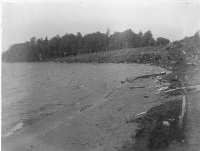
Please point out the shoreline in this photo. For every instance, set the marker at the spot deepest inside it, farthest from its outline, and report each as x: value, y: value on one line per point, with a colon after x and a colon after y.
x: 29, y: 133
x: 154, y: 112
x: 119, y: 122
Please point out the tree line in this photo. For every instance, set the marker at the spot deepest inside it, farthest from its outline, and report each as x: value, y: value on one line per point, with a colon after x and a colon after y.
x: 70, y: 45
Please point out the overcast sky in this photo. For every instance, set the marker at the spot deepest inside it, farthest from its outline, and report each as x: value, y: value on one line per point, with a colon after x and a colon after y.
x: 20, y: 21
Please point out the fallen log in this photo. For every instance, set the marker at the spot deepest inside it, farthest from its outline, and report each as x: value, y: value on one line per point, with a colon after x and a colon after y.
x: 145, y: 76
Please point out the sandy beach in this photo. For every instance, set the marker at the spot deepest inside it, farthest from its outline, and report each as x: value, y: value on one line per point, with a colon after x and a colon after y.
x: 100, y: 123
x: 110, y: 122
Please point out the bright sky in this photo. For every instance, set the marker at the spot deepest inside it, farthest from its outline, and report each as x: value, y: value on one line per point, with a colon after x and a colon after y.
x: 20, y: 21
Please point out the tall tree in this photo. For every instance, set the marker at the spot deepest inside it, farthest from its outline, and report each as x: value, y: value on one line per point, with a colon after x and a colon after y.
x: 148, y: 39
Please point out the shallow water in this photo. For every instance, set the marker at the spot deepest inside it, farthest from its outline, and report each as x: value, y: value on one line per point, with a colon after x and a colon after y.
x: 33, y: 91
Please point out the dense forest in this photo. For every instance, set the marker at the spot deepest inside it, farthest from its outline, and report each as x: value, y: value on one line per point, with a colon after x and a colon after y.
x: 40, y: 49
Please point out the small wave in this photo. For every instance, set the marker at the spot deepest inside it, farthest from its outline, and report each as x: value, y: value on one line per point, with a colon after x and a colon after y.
x: 16, y: 128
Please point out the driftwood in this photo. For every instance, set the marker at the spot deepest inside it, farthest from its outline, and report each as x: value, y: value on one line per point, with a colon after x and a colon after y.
x: 136, y: 87
x: 135, y: 118
x: 83, y: 108
x: 166, y: 89
x: 145, y: 76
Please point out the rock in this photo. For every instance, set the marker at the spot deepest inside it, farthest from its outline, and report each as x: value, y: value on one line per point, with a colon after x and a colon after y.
x: 122, y: 82
x: 166, y: 123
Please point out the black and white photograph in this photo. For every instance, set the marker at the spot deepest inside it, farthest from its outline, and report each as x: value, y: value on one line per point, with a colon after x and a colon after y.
x: 115, y: 75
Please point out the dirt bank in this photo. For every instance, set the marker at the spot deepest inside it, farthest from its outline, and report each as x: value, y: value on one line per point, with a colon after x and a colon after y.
x: 173, y: 124
x: 116, y: 56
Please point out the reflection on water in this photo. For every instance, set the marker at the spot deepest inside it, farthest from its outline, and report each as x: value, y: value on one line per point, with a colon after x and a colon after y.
x: 33, y: 91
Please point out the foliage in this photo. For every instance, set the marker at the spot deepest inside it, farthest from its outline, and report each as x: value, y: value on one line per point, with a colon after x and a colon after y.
x: 162, y: 41
x: 72, y: 45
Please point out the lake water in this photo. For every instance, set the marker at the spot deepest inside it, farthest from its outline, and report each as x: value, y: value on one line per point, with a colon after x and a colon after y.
x: 34, y: 91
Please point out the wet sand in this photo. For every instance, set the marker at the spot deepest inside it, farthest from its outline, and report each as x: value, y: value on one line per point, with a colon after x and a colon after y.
x: 100, y: 123
x: 155, y: 112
